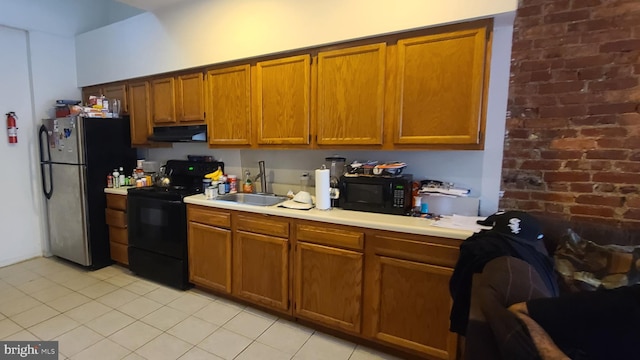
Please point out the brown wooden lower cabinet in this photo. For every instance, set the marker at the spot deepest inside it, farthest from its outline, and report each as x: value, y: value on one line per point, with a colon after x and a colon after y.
x: 387, y: 287
x: 210, y: 256
x: 261, y: 260
x: 328, y: 286
x: 261, y: 269
x: 407, y: 299
x: 116, y: 219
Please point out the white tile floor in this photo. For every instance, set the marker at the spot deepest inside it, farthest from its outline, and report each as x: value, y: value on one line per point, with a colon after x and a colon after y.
x: 112, y: 314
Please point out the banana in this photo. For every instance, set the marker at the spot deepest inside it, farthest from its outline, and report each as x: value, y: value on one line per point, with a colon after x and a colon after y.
x: 214, y: 175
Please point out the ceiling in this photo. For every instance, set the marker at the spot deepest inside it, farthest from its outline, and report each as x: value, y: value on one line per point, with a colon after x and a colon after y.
x: 150, y: 5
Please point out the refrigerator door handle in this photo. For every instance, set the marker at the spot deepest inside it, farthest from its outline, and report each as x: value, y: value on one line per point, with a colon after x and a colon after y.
x: 43, y: 162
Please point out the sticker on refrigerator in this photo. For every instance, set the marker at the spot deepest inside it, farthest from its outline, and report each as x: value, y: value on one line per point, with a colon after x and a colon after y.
x: 67, y: 132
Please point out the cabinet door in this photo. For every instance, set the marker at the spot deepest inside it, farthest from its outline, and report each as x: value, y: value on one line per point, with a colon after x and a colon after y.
x: 440, y: 80
x: 190, y: 98
x: 229, y: 106
x: 261, y: 269
x: 90, y: 91
x: 328, y: 286
x: 351, y: 88
x: 119, y: 253
x: 163, y: 100
x: 140, y: 113
x: 119, y: 92
x: 210, y: 256
x: 282, y: 93
x: 411, y: 306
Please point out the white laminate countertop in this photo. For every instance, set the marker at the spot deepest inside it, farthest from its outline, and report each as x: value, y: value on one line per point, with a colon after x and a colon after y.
x: 118, y: 191
x: 405, y: 224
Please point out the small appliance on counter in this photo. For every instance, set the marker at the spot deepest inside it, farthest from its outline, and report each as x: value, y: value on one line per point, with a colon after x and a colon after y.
x: 157, y: 223
x: 389, y: 194
x: 335, y: 164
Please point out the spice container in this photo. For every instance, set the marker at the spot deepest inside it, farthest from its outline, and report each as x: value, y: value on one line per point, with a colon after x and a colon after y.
x: 233, y: 184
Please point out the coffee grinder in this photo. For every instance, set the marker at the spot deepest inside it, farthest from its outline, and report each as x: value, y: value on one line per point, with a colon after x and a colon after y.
x: 335, y: 164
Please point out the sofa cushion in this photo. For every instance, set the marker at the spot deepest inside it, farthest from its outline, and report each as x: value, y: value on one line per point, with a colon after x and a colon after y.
x: 585, y: 265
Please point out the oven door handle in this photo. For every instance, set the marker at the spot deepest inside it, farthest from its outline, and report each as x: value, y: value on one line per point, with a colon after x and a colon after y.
x: 132, y: 196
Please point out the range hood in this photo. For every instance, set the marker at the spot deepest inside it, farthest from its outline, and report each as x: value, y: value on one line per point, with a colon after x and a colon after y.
x: 191, y: 133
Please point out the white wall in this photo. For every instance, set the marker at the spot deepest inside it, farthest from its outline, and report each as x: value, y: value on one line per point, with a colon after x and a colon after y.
x: 20, y: 210
x: 204, y: 32
x: 201, y: 32
x: 62, y: 17
x: 38, y: 67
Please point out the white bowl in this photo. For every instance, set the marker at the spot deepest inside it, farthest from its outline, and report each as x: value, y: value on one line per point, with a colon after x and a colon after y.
x: 303, y: 197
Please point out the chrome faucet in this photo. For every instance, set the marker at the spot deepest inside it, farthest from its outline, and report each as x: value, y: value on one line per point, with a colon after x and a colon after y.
x: 262, y: 174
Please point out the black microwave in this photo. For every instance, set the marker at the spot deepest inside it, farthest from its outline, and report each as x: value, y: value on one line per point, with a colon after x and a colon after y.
x: 380, y: 194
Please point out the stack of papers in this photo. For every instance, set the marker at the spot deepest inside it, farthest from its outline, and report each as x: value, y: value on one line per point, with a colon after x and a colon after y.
x: 461, y: 223
x: 444, y: 190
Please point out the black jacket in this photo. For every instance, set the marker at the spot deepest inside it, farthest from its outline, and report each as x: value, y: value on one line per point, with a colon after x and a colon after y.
x: 479, y: 249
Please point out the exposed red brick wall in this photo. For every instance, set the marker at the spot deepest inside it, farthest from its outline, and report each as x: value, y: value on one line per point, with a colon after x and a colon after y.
x: 572, y: 148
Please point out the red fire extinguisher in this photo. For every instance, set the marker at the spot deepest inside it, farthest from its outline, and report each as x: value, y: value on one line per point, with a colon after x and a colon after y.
x: 12, y: 129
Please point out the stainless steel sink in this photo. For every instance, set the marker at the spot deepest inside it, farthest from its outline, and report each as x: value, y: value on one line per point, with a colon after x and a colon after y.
x: 253, y: 199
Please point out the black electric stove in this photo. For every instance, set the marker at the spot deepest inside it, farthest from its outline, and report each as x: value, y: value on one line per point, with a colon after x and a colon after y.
x: 157, y: 223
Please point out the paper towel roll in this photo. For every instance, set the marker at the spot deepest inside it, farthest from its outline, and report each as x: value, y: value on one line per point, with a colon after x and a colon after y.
x: 323, y: 202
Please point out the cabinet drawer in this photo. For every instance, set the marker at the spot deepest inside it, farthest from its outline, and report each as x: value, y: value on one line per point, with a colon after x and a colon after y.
x: 414, y: 249
x: 330, y: 236
x: 117, y: 202
x: 262, y: 224
x: 119, y: 253
x: 209, y: 216
x: 116, y: 218
x: 119, y: 235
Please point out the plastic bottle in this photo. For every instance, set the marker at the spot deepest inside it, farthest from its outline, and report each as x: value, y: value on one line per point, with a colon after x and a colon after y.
x: 109, y: 181
x: 116, y: 178
x: 121, y: 176
x: 248, y: 184
x: 227, y: 186
x: 304, y: 181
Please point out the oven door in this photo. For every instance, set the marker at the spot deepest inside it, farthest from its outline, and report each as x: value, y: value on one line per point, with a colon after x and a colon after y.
x: 157, y: 225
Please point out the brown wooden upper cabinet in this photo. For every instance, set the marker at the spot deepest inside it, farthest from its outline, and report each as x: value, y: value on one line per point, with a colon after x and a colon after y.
x: 140, y: 112
x: 117, y: 92
x: 351, y: 92
x: 163, y: 100
x: 190, y: 98
x: 114, y: 91
x: 282, y: 100
x: 178, y: 99
x: 439, y: 92
x: 90, y: 91
x: 228, y: 103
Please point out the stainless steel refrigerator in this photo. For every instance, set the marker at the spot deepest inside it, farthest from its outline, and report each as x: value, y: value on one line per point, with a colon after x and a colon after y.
x: 76, y: 155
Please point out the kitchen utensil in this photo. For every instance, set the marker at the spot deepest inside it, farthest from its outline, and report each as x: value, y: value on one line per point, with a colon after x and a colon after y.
x: 164, y: 180
x: 390, y: 168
